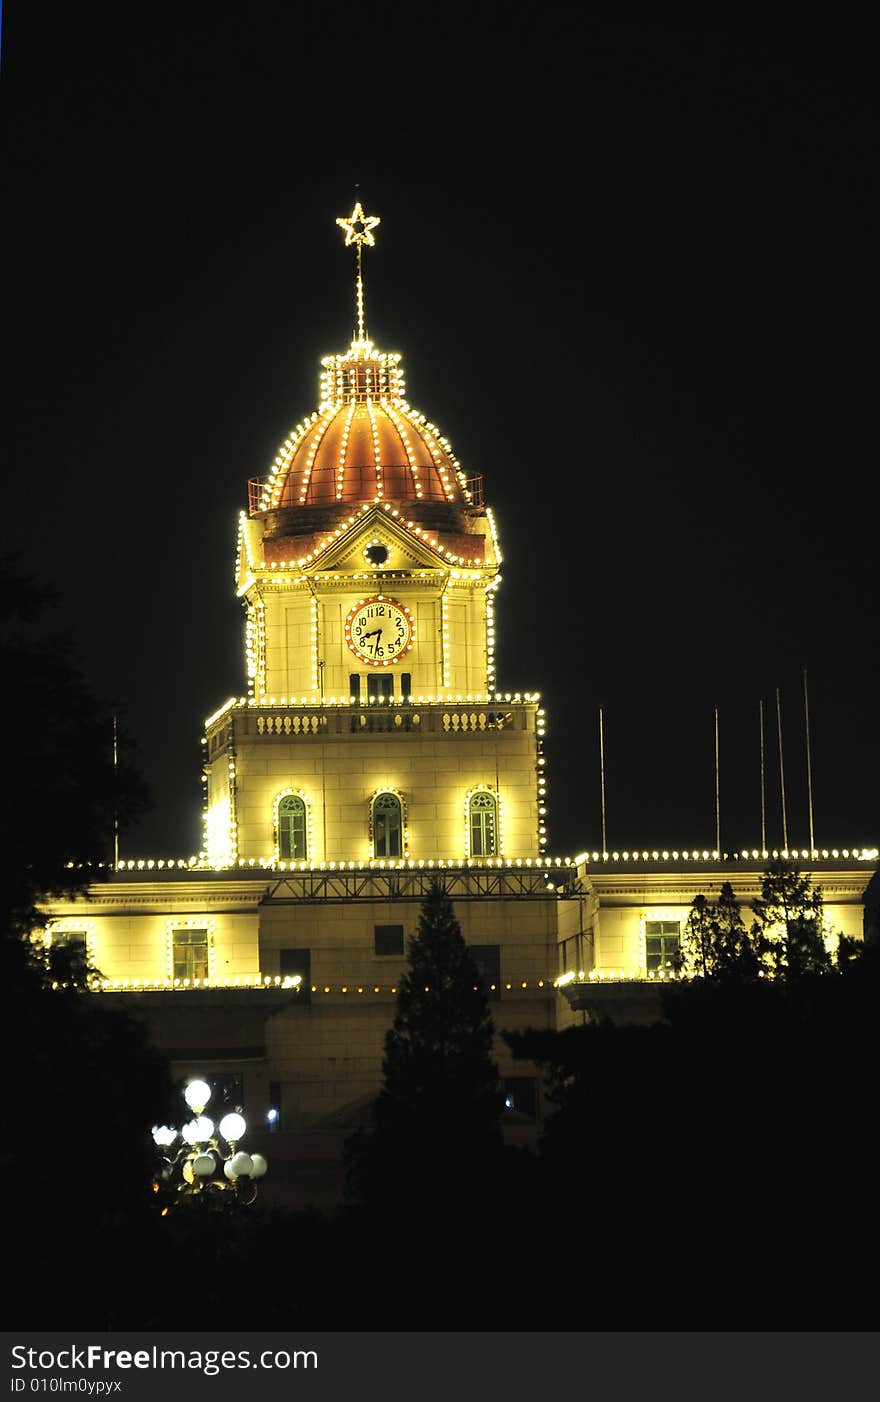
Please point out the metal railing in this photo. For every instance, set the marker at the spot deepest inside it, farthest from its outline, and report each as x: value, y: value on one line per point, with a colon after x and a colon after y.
x: 256, y: 486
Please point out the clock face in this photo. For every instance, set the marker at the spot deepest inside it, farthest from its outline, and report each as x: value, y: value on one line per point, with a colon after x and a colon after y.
x: 379, y: 631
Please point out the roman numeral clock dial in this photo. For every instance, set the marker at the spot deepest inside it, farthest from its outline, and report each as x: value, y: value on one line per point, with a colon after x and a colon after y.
x: 379, y: 631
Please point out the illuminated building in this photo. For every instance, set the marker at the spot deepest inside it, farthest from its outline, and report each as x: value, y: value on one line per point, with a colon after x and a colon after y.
x: 373, y: 751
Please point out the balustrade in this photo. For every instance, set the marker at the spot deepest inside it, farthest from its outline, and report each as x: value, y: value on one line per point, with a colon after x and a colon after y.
x: 432, y: 718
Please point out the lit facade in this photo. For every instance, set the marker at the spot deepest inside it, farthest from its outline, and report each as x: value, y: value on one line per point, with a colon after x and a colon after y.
x: 372, y: 751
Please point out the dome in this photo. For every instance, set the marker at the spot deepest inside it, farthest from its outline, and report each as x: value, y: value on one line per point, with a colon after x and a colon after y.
x: 363, y: 444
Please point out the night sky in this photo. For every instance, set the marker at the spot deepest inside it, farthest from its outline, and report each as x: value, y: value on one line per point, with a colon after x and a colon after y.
x: 633, y: 275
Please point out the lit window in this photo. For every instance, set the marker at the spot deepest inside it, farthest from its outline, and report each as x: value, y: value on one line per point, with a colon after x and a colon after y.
x: 189, y: 953
x: 662, y: 944
x: 387, y: 826
x: 292, y: 842
x: 482, y: 818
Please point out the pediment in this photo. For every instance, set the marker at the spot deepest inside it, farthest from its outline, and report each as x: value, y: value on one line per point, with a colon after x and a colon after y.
x: 407, y: 549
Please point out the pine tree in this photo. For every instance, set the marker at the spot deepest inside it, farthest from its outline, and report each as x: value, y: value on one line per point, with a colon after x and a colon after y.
x: 716, y: 942
x: 790, y: 920
x: 438, y: 1112
x: 697, y: 953
x: 738, y: 950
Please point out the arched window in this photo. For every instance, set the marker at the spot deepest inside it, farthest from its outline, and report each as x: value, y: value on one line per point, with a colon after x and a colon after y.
x: 483, y: 823
x: 292, y: 832
x: 387, y: 826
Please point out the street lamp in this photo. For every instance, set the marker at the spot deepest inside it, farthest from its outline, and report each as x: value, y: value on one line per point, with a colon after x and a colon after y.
x: 190, y: 1165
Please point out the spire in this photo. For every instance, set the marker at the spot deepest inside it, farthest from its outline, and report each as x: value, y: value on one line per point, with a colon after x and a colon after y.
x: 359, y: 231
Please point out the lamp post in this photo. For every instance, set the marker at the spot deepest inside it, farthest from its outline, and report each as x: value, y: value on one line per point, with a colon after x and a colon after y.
x: 194, y: 1153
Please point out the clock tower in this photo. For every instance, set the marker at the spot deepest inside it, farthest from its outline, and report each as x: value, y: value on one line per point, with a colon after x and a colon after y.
x: 368, y: 563
x: 372, y: 753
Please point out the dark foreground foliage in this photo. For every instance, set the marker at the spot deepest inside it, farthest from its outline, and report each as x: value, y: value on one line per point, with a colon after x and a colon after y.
x: 721, y: 1160
x: 83, y: 1088
x: 62, y: 792
x: 713, y: 1171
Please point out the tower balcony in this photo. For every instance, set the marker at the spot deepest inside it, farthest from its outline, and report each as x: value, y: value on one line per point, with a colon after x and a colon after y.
x: 454, y: 717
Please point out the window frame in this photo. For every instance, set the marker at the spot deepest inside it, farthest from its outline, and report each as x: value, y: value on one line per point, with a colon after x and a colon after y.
x: 75, y: 945
x: 292, y: 797
x: 490, y: 810
x: 182, y: 936
x: 657, y: 960
x: 380, y: 686
x: 401, y: 812
x: 389, y: 953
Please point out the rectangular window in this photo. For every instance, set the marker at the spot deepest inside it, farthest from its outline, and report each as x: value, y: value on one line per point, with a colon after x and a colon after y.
x: 189, y: 953
x: 380, y: 684
x: 406, y: 685
x: 662, y: 944
x: 228, y: 1092
x: 487, y: 958
x: 388, y: 938
x: 298, y: 961
x: 69, y: 956
x: 354, y: 686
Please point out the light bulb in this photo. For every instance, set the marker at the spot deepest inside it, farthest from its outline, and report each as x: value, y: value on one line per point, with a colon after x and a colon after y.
x: 197, y: 1095
x: 198, y: 1131
x: 232, y: 1127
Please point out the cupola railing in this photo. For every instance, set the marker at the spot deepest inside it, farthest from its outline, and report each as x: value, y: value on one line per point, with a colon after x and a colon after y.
x: 256, y: 485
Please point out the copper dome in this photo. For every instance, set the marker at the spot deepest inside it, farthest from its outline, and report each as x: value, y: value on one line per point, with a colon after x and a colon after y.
x: 363, y: 444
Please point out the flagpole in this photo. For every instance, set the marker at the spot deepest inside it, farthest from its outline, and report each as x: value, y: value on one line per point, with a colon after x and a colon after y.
x: 602, y: 777
x: 781, y: 770
x: 809, y: 763
x: 115, y: 795
x: 763, y: 793
x: 717, y: 790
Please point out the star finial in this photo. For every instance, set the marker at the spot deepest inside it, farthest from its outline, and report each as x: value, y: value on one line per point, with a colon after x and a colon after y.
x: 359, y: 227
x: 359, y: 231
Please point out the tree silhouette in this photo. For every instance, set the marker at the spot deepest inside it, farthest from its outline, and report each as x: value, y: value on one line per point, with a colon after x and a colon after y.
x: 61, y: 790
x: 76, y: 1115
x: 717, y: 1155
x: 438, y: 1112
x: 790, y: 923
x: 716, y: 942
